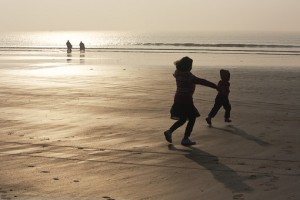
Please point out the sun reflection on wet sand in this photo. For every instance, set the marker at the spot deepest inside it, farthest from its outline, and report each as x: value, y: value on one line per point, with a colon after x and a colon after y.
x: 57, y: 71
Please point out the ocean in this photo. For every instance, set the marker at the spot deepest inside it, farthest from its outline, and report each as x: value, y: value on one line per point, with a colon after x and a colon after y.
x: 202, y: 43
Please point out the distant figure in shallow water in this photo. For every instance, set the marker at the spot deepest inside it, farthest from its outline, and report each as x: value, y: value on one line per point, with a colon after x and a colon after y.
x: 183, y: 108
x: 81, y: 46
x: 222, y: 97
x: 69, y: 46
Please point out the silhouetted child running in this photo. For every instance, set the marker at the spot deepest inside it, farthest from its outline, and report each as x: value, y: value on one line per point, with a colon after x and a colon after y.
x: 183, y: 108
x: 221, y: 98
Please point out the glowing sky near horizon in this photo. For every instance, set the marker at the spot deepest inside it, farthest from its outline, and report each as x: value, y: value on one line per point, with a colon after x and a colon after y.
x: 150, y: 15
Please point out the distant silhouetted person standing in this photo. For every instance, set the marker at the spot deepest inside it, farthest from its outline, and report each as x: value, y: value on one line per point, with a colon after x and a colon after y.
x: 222, y: 97
x: 81, y: 46
x: 183, y: 108
x: 69, y: 46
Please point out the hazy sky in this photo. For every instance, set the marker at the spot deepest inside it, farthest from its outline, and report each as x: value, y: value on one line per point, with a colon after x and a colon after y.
x: 150, y: 15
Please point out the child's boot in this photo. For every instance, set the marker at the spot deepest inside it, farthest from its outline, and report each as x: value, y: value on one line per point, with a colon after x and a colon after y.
x: 227, y: 120
x: 208, y: 120
x: 168, y: 136
x: 187, y: 142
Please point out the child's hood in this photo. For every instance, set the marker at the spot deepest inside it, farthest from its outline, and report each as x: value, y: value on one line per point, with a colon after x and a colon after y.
x: 225, y: 75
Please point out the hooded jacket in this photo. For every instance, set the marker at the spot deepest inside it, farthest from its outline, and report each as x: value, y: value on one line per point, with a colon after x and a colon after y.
x: 223, y: 85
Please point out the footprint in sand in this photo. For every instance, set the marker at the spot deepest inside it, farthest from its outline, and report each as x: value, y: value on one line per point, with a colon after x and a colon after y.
x: 252, y: 177
x: 108, y: 198
x: 10, y: 133
x: 238, y: 197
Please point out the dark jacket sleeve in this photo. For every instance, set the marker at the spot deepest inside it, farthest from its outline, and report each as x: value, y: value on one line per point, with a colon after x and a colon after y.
x: 204, y: 82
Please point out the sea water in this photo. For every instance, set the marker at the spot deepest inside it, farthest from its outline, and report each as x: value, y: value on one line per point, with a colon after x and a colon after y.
x: 195, y: 42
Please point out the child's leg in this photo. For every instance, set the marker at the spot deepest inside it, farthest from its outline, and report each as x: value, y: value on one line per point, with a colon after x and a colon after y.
x: 216, y: 108
x: 227, y: 108
x: 189, y: 127
x: 177, y: 124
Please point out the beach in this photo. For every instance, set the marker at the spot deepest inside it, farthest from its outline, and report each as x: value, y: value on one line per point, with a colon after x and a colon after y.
x: 90, y: 126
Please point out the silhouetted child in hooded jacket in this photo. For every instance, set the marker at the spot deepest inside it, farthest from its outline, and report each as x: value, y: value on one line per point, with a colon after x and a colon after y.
x: 222, y: 97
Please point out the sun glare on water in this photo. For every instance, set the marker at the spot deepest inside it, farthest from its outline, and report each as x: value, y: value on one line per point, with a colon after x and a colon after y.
x: 59, y: 38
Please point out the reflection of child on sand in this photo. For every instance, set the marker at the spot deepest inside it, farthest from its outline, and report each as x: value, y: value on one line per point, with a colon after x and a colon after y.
x: 222, y: 97
x: 183, y: 108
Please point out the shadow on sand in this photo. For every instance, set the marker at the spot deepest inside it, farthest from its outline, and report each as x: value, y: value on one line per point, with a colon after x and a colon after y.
x: 221, y: 172
x: 236, y: 131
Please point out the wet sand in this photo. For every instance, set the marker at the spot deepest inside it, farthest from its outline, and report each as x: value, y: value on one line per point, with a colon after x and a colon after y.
x: 90, y: 126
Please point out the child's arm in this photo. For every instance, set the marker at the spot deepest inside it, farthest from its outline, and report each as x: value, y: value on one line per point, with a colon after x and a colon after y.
x: 204, y: 82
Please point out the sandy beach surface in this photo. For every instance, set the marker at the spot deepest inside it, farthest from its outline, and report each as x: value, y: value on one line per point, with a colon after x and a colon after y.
x: 90, y: 126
